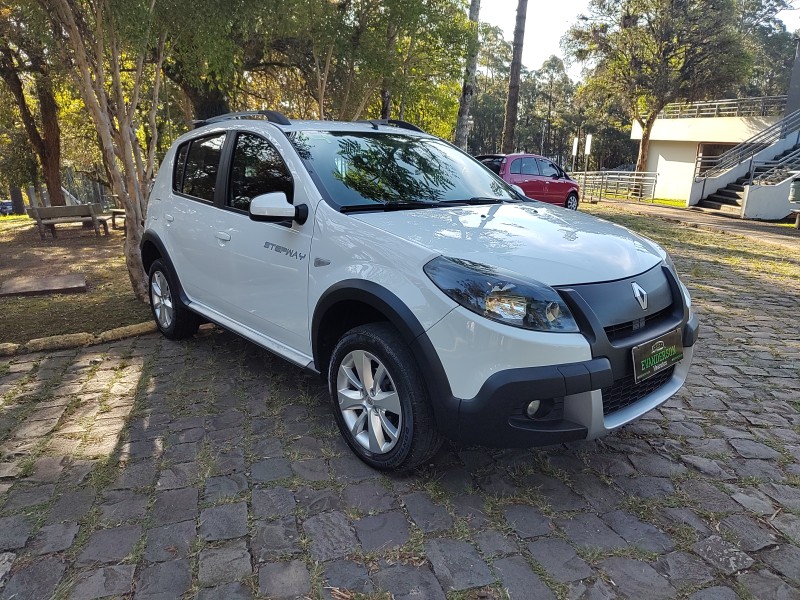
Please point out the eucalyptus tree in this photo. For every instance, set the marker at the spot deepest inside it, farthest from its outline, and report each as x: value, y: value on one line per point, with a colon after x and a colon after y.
x: 108, y: 45
x: 470, y: 69
x: 510, y: 122
x: 653, y: 52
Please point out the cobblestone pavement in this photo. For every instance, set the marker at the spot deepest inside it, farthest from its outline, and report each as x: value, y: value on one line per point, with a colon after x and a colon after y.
x: 209, y: 469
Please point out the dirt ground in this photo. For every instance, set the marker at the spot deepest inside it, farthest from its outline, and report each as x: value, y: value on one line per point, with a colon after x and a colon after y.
x: 108, y: 302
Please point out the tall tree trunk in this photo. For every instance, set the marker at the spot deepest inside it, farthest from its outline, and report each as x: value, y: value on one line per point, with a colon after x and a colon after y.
x: 386, y: 100
x: 468, y: 89
x: 644, y: 144
x: 50, y: 156
x: 17, y: 201
x: 513, y: 85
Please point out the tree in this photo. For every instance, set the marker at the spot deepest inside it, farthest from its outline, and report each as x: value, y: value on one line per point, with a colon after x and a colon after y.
x: 769, y: 44
x: 107, y: 50
x: 653, y: 52
x: 24, y: 58
x: 513, y: 84
x: 468, y: 89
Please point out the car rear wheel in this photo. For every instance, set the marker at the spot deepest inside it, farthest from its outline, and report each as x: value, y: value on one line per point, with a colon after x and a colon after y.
x: 172, y: 317
x: 572, y: 201
x: 380, y: 400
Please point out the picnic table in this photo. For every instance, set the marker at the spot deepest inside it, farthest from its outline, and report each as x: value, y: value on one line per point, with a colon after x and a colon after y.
x: 116, y: 212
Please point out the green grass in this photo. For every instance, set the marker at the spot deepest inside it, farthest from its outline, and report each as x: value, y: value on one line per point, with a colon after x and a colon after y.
x: 108, y: 302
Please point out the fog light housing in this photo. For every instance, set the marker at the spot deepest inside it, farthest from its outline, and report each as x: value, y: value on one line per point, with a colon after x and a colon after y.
x: 533, y: 408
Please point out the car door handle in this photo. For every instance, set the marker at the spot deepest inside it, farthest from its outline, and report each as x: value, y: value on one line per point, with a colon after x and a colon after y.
x: 169, y: 218
x: 221, y: 235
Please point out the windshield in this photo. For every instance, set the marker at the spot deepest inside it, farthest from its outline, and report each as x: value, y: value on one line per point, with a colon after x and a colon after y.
x: 379, y: 169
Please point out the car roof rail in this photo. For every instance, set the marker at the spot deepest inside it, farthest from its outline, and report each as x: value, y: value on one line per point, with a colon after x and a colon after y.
x: 270, y: 115
x: 393, y: 122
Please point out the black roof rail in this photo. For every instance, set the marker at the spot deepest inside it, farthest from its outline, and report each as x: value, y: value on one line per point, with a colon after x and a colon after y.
x: 270, y: 115
x: 394, y: 122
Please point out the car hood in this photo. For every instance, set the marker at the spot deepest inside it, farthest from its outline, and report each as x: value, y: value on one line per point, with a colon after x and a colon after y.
x: 549, y: 244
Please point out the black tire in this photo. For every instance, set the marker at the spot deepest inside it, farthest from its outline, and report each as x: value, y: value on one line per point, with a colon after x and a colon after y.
x: 183, y: 322
x: 417, y: 439
x: 572, y: 201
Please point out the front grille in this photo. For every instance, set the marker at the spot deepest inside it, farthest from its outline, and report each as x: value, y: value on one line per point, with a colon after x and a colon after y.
x: 625, y: 392
x: 622, y: 330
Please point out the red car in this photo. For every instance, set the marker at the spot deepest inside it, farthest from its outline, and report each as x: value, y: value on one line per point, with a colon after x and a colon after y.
x: 539, y: 177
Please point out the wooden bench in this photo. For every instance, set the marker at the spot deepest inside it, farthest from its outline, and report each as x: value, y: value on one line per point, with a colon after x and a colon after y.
x: 50, y: 216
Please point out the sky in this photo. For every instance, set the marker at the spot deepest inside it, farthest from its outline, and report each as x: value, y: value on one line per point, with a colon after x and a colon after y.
x: 546, y: 23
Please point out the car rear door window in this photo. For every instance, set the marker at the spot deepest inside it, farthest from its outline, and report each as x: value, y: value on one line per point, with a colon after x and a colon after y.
x: 516, y: 167
x: 180, y: 168
x: 529, y: 166
x: 202, y: 166
x: 257, y: 168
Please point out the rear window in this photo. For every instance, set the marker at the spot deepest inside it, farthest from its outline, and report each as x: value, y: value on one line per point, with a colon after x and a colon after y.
x: 202, y: 166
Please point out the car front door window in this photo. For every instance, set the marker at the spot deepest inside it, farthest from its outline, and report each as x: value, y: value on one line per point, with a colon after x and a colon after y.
x: 257, y: 168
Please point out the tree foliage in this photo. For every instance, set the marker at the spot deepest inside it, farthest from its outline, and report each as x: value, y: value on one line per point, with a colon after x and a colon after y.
x: 653, y: 52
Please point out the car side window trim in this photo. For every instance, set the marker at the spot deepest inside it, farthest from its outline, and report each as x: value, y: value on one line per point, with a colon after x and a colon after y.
x: 218, y: 180
x: 516, y: 166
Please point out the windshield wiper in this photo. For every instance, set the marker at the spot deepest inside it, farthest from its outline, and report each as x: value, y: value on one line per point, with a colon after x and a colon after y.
x: 475, y: 200
x: 388, y: 206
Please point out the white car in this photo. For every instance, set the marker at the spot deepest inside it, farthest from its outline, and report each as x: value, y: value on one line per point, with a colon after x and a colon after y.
x: 434, y: 300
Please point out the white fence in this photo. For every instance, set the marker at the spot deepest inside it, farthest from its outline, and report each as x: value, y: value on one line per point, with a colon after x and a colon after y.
x: 624, y: 185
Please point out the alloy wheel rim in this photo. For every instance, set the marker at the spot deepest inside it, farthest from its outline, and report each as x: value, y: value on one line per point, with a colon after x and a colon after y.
x: 162, y: 299
x: 369, y: 402
x: 572, y: 203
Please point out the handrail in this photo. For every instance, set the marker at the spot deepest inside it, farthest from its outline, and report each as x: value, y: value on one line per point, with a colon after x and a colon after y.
x: 711, y: 166
x: 760, y: 106
x: 778, y: 170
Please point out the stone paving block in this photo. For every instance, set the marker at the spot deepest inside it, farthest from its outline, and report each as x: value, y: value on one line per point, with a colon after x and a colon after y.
x: 493, y: 543
x: 754, y: 501
x: 23, y: 497
x: 226, y: 486
x: 527, y: 521
x: 635, y: 579
x: 226, y: 591
x: 788, y: 525
x: 103, y: 582
x: 34, y: 581
x: 555, y: 492
x: 407, y: 582
x: 559, y: 560
x: 646, y: 486
x: 349, y: 468
x: 670, y: 517
x: 164, y: 580
x: 722, y: 554
x: 457, y: 565
x: 136, y: 475
x: 331, y: 535
x: 470, y: 508
x: 226, y: 563
x: 173, y: 506
x: 270, y: 469
x: 178, y: 476
x: 48, y: 468
x: 588, y: 531
x: 763, y: 584
x: 753, y: 449
x: 170, y: 542
x: 273, y: 539
x: 785, y: 559
x: 224, y: 522
x: 123, y: 505
x: 656, y: 466
x: 311, y: 469
x: 429, y: 517
x: 382, y: 531
x: 683, y: 570
x: 230, y: 462
x: 519, y: 580
x: 750, y: 534
x: 715, y: 593
x: 273, y: 503
x: 180, y: 453
x: 786, y: 495
x: 368, y: 497
x: 638, y: 533
x: 708, y: 467
x: 760, y: 469
x: 284, y: 580
x: 347, y: 575
x: 708, y: 497
x: 6, y: 562
x: 110, y: 545
x: 14, y: 532
x: 314, y: 501
x: 54, y: 538
x: 602, y: 497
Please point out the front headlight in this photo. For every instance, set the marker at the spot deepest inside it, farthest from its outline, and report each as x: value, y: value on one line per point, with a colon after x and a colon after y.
x: 500, y: 296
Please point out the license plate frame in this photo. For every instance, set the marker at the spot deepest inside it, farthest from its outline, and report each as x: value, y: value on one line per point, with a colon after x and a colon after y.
x: 657, y: 354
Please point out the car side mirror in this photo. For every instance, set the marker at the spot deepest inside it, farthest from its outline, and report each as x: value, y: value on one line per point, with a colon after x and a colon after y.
x: 275, y: 207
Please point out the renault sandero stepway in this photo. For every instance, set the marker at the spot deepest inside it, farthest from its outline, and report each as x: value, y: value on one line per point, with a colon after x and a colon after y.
x: 434, y: 298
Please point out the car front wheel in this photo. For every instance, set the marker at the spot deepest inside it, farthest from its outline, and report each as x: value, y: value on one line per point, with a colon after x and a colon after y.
x: 572, y: 201
x: 380, y: 400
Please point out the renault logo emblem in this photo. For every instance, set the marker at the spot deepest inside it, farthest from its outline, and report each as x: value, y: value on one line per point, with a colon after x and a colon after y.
x: 640, y: 295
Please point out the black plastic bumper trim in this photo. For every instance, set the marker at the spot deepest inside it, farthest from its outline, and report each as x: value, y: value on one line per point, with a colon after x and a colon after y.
x: 691, y: 331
